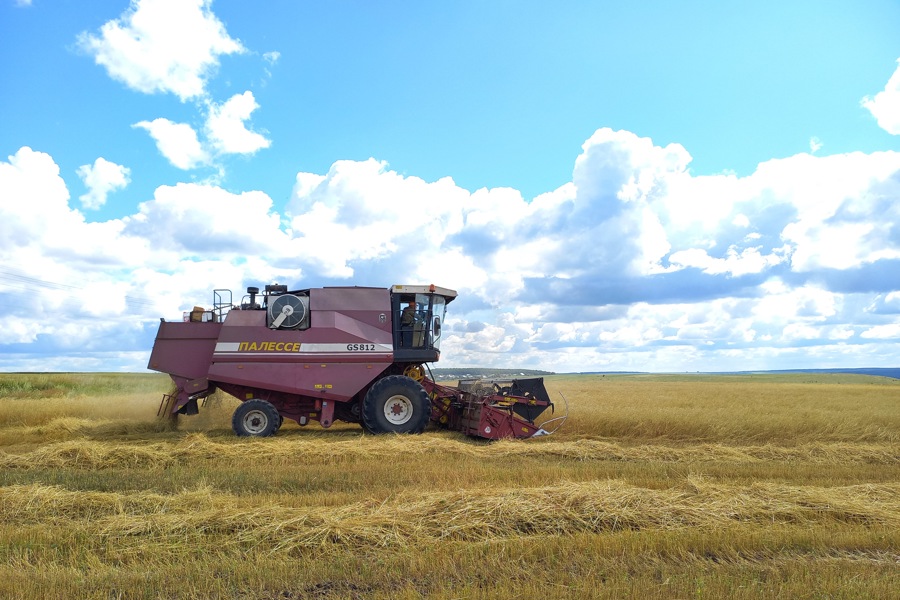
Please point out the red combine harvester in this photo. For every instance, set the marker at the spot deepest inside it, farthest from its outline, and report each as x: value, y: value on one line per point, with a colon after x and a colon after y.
x: 353, y: 354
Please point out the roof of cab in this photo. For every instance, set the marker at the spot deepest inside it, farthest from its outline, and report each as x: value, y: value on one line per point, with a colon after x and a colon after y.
x: 424, y: 289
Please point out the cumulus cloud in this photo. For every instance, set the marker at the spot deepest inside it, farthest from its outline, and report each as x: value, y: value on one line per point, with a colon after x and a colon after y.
x: 226, y: 133
x: 226, y: 128
x: 634, y: 264
x: 54, y: 264
x: 748, y: 260
x: 174, y: 46
x: 361, y: 213
x: 177, y: 142
x: 845, y: 213
x: 885, y: 106
x: 699, y: 265
x: 167, y: 46
x: 200, y: 221
x: 890, y: 331
x: 34, y: 204
x: 886, y: 304
x: 71, y: 287
x: 37, y: 225
x: 102, y: 178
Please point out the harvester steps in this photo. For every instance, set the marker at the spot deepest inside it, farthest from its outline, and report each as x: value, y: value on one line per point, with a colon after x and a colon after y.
x: 165, y: 405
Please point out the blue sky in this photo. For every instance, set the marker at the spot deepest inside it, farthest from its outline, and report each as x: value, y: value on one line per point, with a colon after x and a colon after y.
x: 653, y: 186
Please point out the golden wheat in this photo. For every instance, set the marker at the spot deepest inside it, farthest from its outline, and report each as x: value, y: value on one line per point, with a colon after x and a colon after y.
x: 657, y: 487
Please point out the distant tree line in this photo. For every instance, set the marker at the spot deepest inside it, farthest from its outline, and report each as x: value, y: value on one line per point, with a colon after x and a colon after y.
x: 473, y: 372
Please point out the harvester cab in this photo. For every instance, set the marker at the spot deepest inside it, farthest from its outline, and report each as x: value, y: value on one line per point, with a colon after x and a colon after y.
x: 355, y: 354
x: 418, y: 312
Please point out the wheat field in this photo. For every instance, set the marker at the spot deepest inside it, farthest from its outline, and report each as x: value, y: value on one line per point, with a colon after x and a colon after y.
x: 691, y: 486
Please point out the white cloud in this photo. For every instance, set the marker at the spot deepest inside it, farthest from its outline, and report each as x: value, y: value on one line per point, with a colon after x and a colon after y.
x: 631, y: 209
x: 177, y: 142
x: 38, y: 227
x: 843, y: 207
x: 102, y: 178
x: 840, y: 333
x: 693, y: 206
x: 634, y: 264
x: 805, y: 304
x: 31, y: 194
x: 741, y: 221
x: 22, y: 3
x: 821, y: 212
x: 885, y: 106
x: 174, y: 46
x: 305, y: 184
x: 885, y: 304
x: 735, y: 263
x: 169, y: 46
x: 226, y: 129
x: 800, y: 331
x: 54, y: 261
x: 836, y: 246
x: 889, y: 331
x: 201, y: 221
x: 88, y: 287
x: 361, y: 211
x: 815, y: 144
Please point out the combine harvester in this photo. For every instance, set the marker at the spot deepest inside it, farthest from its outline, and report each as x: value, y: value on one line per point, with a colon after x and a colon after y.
x: 353, y: 354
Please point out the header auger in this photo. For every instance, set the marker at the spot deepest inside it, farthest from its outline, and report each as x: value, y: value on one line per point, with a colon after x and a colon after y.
x: 354, y: 354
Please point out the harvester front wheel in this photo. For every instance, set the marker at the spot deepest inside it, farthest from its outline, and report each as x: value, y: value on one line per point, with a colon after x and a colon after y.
x: 255, y: 418
x: 396, y: 404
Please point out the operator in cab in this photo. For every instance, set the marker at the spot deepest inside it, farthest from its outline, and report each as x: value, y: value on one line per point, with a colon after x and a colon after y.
x: 408, y: 316
x: 411, y: 326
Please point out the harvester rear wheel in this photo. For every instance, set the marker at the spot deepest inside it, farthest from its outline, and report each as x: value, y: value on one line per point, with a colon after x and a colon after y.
x: 255, y: 418
x: 396, y: 404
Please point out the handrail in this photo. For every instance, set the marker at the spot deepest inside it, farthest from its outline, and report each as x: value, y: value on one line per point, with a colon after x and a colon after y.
x: 220, y: 306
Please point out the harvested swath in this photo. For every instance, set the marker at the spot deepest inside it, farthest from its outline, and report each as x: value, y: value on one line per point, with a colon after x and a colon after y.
x: 89, y: 455
x: 67, y: 428
x: 37, y: 503
x: 588, y: 449
x: 94, y: 454
x: 411, y: 519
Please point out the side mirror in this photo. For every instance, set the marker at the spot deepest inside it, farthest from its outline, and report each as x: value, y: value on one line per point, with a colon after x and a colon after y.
x: 437, y: 327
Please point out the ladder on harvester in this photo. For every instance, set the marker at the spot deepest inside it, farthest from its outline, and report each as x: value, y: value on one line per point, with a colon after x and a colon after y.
x: 165, y: 405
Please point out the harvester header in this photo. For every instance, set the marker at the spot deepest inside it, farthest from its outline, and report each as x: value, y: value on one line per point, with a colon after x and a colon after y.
x: 355, y: 354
